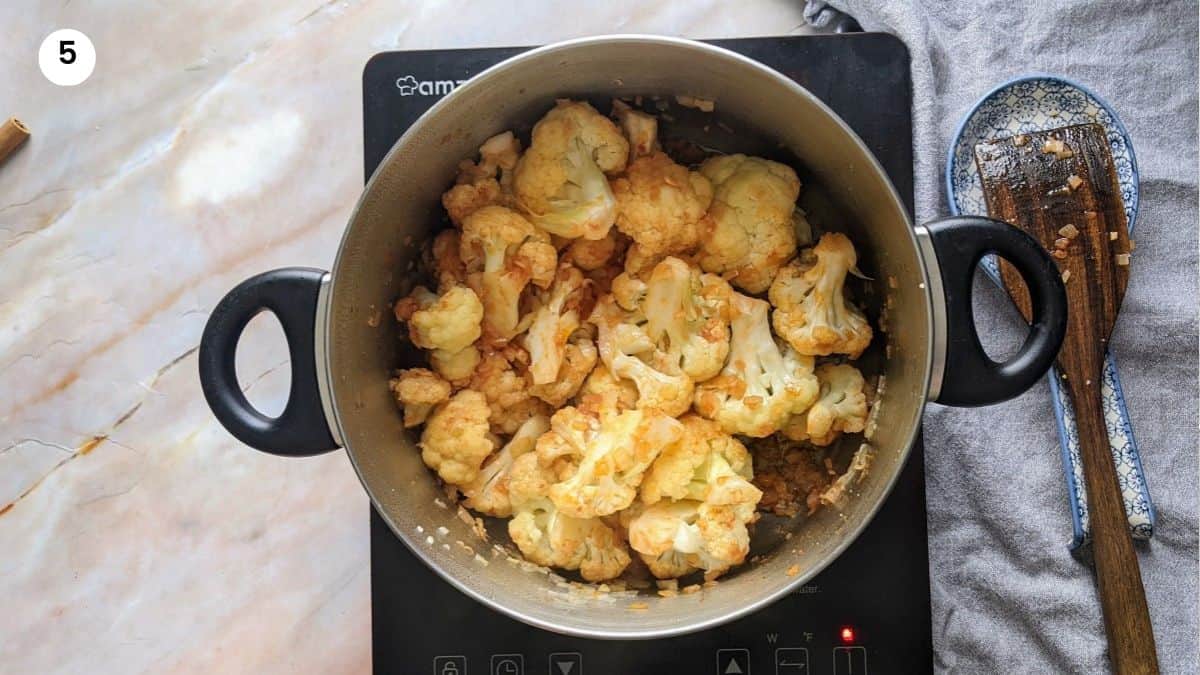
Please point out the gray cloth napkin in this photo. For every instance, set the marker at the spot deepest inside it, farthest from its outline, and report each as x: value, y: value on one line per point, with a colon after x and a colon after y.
x: 1007, y: 595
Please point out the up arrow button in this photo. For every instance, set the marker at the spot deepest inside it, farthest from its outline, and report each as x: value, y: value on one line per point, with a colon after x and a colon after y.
x: 733, y: 662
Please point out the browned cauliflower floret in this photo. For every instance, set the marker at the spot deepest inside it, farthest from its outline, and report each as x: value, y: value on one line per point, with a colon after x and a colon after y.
x: 613, y: 453
x: 417, y: 391
x: 554, y: 321
x: 549, y: 537
x: 507, y: 394
x: 811, y: 310
x: 603, y: 393
x: 640, y: 129
x: 477, y: 185
x: 707, y: 465
x: 662, y: 206
x: 753, y: 206
x: 446, y: 261
x: 593, y: 254
x: 488, y: 493
x: 630, y: 354
x: 456, y: 439
x: 503, y: 247
x: 560, y: 181
x: 579, y: 358
x: 840, y: 407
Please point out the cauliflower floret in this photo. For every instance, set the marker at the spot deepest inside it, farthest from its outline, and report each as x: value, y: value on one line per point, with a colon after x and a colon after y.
x: 707, y: 465
x: 579, y: 358
x: 603, y: 393
x: 446, y: 261
x: 662, y: 206
x: 840, y: 407
x: 687, y: 317
x: 763, y: 383
x: 560, y: 181
x: 488, y: 493
x: 811, y: 310
x: 676, y: 537
x: 629, y: 353
x: 450, y: 321
x: 546, y: 536
x: 477, y: 185
x: 507, y: 394
x: 752, y: 210
x: 496, y: 241
x: 417, y: 391
x: 613, y: 453
x: 640, y: 129
x: 590, y: 255
x: 554, y: 322
x: 456, y: 439
x: 456, y: 367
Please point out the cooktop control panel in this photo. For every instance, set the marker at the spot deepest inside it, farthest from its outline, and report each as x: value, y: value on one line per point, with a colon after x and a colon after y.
x: 867, y: 613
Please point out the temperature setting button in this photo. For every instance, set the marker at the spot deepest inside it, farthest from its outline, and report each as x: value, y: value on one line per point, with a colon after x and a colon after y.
x: 733, y: 662
x: 791, y: 661
x: 849, y: 661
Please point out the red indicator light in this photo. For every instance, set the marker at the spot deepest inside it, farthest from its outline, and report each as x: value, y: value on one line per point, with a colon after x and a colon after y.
x: 847, y: 634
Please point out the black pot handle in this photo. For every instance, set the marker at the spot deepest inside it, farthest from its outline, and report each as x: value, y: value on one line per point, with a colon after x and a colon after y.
x: 291, y: 295
x: 970, y: 376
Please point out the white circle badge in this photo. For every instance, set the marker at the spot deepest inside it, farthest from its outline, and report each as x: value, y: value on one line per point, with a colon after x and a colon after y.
x: 67, y: 57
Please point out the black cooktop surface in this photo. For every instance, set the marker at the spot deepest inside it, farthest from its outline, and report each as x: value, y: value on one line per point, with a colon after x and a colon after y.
x: 867, y: 613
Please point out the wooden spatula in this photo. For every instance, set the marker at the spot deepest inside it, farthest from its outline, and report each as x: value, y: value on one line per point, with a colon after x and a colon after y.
x: 1061, y: 187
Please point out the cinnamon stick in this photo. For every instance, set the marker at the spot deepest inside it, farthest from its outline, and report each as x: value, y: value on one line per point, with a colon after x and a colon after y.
x: 12, y: 134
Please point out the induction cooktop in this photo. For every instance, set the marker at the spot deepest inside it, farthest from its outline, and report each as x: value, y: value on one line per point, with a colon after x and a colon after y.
x: 868, y: 612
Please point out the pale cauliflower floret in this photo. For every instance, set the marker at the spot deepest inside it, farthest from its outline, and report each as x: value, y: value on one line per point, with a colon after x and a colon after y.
x: 418, y: 390
x: 497, y: 242
x: 603, y: 393
x: 687, y: 317
x: 752, y: 210
x: 456, y: 367
x: 661, y: 205
x: 488, y: 493
x: 560, y: 181
x: 763, y: 383
x: 554, y: 322
x: 676, y: 537
x: 706, y: 465
x: 840, y: 407
x: 477, y: 184
x: 545, y: 536
x: 613, y: 453
x: 811, y: 310
x: 640, y: 129
x: 450, y: 321
x: 579, y: 358
x: 456, y: 439
x: 629, y: 353
x: 507, y: 394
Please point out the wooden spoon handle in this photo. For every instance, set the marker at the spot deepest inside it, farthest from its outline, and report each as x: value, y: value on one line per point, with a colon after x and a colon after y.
x: 1126, y: 617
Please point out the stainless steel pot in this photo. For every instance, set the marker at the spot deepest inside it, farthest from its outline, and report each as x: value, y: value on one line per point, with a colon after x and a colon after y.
x: 341, y: 362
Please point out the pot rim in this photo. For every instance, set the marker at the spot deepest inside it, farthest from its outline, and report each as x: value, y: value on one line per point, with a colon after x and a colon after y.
x: 683, y: 628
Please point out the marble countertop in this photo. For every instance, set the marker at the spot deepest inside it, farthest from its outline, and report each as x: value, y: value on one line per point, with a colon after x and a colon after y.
x: 136, y: 535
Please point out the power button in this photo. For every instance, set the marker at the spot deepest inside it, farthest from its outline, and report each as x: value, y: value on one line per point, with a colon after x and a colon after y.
x: 850, y: 660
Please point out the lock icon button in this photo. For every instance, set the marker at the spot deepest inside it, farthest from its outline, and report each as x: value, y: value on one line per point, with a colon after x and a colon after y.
x: 450, y: 665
